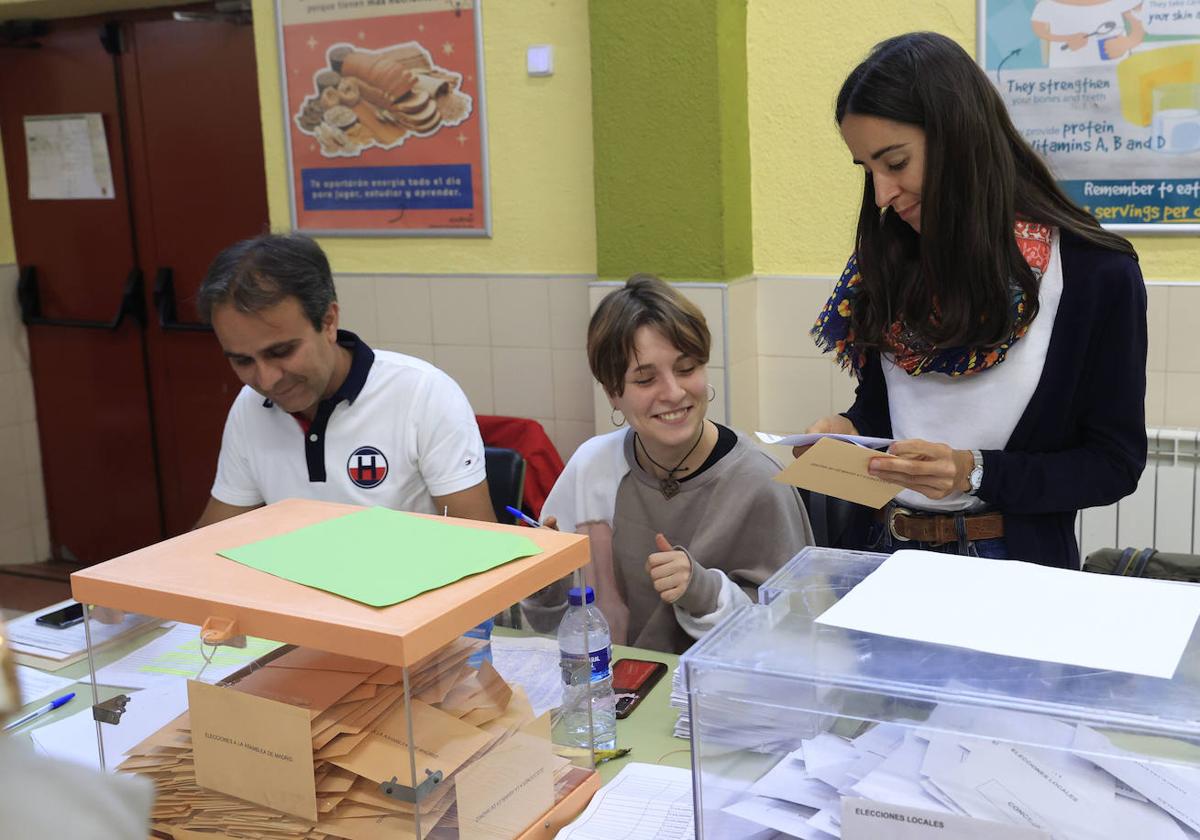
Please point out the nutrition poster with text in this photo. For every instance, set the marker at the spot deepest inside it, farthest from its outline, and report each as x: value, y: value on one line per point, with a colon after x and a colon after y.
x: 384, y: 116
x: 1108, y: 91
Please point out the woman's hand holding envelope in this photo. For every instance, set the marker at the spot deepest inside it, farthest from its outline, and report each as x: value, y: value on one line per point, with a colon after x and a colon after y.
x: 932, y: 469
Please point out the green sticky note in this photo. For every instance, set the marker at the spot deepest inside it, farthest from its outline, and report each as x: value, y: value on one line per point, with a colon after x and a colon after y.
x: 380, y: 556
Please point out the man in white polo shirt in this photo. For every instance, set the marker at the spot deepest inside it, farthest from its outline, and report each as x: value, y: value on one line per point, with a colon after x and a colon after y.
x: 323, y: 416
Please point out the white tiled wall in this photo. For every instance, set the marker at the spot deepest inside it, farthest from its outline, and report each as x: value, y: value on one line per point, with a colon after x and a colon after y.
x: 514, y: 343
x: 516, y: 346
x: 24, y: 532
x: 797, y: 384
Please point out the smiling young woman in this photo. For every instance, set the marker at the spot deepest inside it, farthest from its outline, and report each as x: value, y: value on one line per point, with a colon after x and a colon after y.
x: 997, y: 332
x: 683, y: 517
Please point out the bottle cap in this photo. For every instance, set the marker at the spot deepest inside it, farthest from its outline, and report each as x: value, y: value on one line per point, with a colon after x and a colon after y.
x: 576, y: 599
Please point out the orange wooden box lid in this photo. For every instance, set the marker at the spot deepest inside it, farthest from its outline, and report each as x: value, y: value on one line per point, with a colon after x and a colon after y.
x: 183, y: 579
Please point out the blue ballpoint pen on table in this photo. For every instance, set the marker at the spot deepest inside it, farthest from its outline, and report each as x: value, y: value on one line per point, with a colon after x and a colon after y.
x: 528, y: 520
x: 38, y: 712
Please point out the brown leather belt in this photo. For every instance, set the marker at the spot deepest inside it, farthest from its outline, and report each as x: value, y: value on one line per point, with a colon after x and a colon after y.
x: 936, y: 529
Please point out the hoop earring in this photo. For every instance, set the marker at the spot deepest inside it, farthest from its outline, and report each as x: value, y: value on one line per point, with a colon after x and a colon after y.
x: 712, y: 392
x: 613, y: 417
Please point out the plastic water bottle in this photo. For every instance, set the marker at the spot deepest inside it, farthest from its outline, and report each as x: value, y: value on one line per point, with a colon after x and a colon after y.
x: 587, y: 675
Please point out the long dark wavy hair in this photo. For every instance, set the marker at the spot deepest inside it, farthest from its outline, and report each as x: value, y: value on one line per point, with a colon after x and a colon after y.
x: 980, y: 178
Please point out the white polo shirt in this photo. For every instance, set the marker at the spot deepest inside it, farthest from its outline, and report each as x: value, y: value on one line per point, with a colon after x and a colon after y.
x: 397, y: 433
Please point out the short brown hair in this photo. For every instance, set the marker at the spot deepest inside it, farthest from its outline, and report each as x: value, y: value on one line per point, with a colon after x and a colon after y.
x: 644, y: 301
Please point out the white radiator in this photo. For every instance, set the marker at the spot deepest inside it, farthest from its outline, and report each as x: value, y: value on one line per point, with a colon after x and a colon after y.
x: 1162, y: 512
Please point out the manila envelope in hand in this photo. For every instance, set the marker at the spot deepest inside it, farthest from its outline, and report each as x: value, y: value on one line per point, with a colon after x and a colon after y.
x: 837, y: 468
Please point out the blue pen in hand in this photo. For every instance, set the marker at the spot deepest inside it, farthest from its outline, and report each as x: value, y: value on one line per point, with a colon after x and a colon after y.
x: 528, y: 520
x: 38, y: 712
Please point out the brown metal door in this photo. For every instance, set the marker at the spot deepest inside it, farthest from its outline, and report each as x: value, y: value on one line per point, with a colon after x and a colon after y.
x: 130, y: 415
x: 77, y: 258
x: 199, y: 164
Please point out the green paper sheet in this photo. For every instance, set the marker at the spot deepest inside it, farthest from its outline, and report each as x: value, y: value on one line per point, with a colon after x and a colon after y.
x: 380, y: 556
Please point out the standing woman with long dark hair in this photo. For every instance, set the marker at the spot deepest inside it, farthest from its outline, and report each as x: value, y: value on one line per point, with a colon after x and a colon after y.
x: 997, y: 332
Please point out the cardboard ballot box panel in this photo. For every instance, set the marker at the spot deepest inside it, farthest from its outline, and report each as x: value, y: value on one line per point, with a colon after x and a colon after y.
x: 804, y: 726
x: 324, y: 716
x: 184, y: 579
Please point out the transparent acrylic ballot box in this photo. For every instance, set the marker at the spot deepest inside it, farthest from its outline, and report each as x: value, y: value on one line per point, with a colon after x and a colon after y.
x: 266, y: 708
x: 816, y: 731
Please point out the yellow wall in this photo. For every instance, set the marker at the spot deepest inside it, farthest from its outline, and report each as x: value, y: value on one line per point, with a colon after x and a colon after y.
x: 540, y: 147
x: 805, y: 190
x: 7, y: 249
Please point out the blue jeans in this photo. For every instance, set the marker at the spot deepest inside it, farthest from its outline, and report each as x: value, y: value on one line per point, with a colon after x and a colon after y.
x: 879, y: 538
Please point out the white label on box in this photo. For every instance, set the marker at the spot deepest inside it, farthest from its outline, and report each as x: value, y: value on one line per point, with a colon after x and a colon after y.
x: 866, y: 819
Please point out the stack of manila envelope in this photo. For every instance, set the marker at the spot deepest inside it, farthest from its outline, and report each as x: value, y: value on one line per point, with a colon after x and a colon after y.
x: 300, y: 744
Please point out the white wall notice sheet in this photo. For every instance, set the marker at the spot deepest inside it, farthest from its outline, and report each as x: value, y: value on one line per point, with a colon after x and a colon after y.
x: 1131, y: 625
x: 68, y: 157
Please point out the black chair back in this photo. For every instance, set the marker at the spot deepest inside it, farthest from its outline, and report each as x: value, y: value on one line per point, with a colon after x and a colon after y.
x: 506, y: 480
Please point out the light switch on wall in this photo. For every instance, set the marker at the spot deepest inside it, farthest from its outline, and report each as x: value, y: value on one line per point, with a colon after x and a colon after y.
x: 539, y: 60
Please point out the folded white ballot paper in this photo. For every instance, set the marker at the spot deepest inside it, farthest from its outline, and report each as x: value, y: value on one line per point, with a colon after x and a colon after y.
x: 1011, y: 783
x: 1024, y: 610
x: 1173, y: 788
x: 786, y: 817
x: 808, y: 439
x: 1041, y: 778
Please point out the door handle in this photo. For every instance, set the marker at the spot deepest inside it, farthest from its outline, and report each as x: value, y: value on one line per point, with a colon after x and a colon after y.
x: 132, y: 303
x: 164, y: 304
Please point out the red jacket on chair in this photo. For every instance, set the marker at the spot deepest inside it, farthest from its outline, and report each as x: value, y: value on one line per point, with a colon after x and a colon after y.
x: 542, y: 462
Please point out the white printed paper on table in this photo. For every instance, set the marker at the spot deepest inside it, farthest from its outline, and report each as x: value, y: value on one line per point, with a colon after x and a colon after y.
x: 643, y: 802
x: 36, y: 684
x: 1064, y: 616
x: 179, y: 654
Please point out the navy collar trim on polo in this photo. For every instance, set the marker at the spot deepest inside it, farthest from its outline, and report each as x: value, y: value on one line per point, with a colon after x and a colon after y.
x: 361, y: 359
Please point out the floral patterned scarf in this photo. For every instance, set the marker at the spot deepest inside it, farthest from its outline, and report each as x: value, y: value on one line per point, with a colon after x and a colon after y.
x: 833, y: 331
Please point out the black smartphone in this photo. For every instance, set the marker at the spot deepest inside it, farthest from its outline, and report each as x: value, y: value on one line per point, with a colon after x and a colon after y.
x: 68, y: 616
x: 634, y: 678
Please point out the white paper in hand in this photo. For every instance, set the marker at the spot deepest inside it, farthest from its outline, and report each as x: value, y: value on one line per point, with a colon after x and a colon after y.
x: 810, y: 438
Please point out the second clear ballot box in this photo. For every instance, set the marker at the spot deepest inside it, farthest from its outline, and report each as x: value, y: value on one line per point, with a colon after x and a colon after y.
x: 263, y: 707
x: 815, y: 731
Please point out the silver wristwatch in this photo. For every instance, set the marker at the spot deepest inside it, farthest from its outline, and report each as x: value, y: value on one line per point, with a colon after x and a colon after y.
x: 975, y: 477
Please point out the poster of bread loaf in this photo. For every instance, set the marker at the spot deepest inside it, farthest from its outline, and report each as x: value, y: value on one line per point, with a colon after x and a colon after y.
x: 384, y: 117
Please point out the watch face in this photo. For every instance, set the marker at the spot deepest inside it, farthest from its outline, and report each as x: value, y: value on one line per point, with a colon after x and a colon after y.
x: 975, y: 478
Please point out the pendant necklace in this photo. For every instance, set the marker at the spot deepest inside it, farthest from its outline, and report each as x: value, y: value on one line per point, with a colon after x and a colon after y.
x: 669, y: 486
